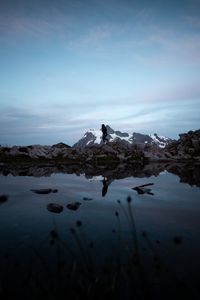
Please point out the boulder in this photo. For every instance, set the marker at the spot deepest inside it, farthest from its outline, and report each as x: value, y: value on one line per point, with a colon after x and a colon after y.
x: 73, y: 205
x: 187, y: 147
x: 44, y: 191
x: 3, y: 198
x: 55, y: 208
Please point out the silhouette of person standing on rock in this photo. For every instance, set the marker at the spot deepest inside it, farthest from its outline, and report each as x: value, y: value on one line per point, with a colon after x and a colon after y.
x: 104, y: 131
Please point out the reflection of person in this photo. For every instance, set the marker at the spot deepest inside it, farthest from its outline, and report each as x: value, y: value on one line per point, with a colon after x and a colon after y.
x: 104, y: 131
x: 106, y: 182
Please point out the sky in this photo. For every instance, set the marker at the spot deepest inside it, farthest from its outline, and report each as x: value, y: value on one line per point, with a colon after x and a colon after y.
x: 67, y: 66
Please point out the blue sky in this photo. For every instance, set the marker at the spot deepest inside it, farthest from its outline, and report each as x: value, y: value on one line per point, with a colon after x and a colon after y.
x: 68, y: 66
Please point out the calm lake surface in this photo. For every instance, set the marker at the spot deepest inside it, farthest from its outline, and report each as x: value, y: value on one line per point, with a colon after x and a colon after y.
x: 166, y: 225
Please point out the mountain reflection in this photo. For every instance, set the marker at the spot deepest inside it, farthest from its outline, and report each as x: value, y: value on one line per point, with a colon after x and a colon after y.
x: 188, y: 173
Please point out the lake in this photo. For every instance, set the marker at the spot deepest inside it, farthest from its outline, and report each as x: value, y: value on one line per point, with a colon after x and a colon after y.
x: 145, y: 245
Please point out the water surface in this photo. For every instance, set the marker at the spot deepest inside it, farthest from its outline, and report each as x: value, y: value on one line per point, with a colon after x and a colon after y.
x: 166, y: 222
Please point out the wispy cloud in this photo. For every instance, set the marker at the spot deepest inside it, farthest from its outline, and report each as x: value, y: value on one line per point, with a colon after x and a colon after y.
x: 48, y: 126
x: 161, y: 46
x: 192, y: 21
x: 97, y: 38
x: 14, y: 28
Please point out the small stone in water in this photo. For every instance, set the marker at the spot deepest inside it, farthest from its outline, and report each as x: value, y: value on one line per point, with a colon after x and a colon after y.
x: 3, y: 198
x: 87, y: 199
x: 73, y: 205
x: 44, y: 191
x: 177, y: 240
x: 54, y: 234
x: 78, y: 223
x: 55, y: 208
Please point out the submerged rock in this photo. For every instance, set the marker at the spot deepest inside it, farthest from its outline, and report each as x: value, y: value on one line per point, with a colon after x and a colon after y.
x: 73, y: 205
x: 3, y: 198
x: 55, y: 208
x: 87, y: 199
x: 177, y: 240
x: 44, y: 191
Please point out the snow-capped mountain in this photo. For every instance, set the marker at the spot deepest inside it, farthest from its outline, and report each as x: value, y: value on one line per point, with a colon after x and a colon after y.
x: 92, y: 137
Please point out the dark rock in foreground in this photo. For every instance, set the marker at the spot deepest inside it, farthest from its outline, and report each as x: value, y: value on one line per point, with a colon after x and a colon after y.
x: 87, y: 199
x: 55, y: 208
x: 74, y: 205
x: 3, y: 198
x: 44, y: 191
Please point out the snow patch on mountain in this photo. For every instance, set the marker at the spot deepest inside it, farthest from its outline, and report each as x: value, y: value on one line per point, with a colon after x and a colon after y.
x: 97, y: 134
x: 92, y: 137
x: 125, y: 138
x: 160, y: 140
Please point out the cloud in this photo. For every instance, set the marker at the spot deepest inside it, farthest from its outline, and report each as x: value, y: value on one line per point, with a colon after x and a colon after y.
x: 163, y: 46
x: 21, y: 26
x: 141, y: 36
x: 60, y: 123
x: 45, y: 126
x: 15, y: 28
x: 98, y: 37
x: 192, y: 21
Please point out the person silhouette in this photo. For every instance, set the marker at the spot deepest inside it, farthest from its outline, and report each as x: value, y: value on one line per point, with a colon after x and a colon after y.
x: 104, y: 131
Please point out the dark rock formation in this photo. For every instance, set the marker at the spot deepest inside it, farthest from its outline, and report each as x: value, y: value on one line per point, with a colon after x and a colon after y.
x: 3, y: 198
x: 187, y: 147
x: 61, y: 146
x: 115, y: 151
x: 44, y: 191
x: 120, y: 148
x: 138, y: 138
x: 73, y: 205
x: 55, y: 208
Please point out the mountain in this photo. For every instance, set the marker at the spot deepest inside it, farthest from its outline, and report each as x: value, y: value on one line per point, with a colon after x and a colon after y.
x: 121, y: 148
x: 92, y: 137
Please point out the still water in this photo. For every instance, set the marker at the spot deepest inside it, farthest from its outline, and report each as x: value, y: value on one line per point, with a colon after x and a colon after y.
x: 164, y: 223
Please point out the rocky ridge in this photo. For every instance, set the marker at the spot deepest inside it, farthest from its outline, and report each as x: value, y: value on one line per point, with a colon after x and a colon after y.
x: 36, y: 151
x: 117, y: 150
x: 187, y: 147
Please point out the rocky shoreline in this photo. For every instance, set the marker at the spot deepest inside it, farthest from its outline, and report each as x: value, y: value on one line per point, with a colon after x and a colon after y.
x: 185, y: 149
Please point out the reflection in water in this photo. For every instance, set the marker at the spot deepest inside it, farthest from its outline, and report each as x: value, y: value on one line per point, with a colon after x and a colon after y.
x: 188, y: 173
x: 106, y: 182
x: 141, y: 189
x: 141, y: 249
